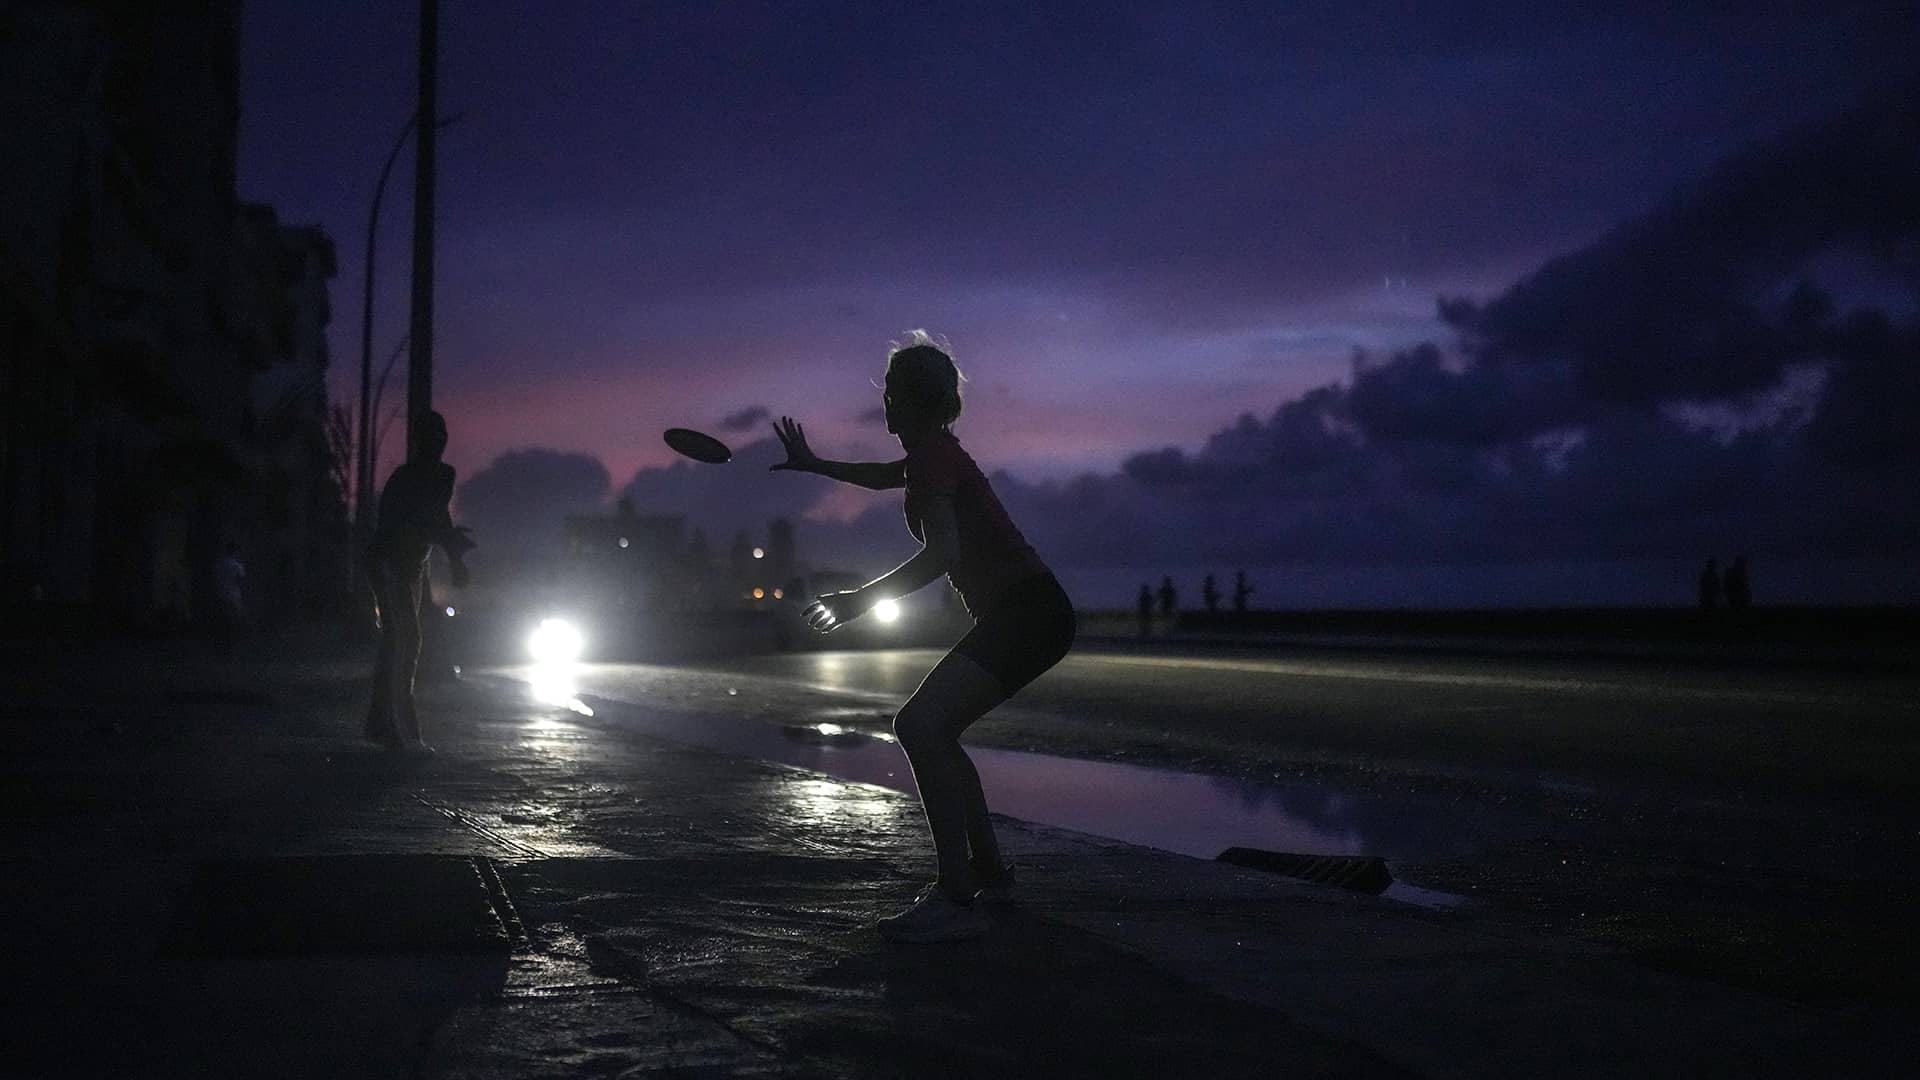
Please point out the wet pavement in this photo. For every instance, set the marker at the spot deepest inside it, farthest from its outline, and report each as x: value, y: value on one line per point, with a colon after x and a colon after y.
x: 562, y: 894
x: 1749, y: 825
x: 1182, y: 812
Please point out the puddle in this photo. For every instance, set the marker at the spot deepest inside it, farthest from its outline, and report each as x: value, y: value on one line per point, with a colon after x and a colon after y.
x: 1428, y: 898
x: 1188, y: 813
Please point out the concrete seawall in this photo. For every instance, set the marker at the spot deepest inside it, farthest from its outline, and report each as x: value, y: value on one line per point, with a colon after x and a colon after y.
x: 1885, y: 638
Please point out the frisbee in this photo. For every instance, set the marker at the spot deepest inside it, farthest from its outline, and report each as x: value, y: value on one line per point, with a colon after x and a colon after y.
x: 698, y: 445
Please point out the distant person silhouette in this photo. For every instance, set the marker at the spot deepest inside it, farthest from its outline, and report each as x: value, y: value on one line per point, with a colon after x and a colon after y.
x: 1241, y: 590
x: 1146, y: 610
x: 1168, y: 599
x: 1739, y: 592
x: 1210, y: 595
x: 1710, y: 585
x: 229, y: 592
x: 413, y: 520
x: 1023, y: 624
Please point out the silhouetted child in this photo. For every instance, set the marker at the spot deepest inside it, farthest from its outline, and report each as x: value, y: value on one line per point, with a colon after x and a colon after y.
x: 1146, y: 610
x: 413, y: 520
x: 1023, y: 624
x: 1738, y: 592
x: 1710, y: 585
x: 1241, y: 590
x: 1210, y: 595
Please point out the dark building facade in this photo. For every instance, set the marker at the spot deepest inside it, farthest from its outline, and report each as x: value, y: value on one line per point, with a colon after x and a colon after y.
x: 131, y: 437
x: 629, y: 561
x: 294, y: 519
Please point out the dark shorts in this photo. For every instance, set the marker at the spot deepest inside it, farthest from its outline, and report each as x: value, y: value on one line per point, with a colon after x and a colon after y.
x: 1026, y: 631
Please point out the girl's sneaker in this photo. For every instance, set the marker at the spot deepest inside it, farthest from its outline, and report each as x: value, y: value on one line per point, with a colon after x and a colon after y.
x: 997, y: 887
x: 934, y: 917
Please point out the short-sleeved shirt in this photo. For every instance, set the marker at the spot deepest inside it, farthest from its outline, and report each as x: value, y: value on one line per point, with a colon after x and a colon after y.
x: 992, y: 555
x: 413, y: 511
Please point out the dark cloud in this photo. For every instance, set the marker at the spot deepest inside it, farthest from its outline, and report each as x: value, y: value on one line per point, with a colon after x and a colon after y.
x: 1549, y: 427
x: 746, y: 419
x: 518, y: 505
x: 1417, y: 396
x: 1698, y: 300
x: 1304, y: 449
x: 723, y: 499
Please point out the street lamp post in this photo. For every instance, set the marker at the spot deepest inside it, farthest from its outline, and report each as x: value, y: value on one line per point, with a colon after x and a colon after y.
x: 363, y: 479
x: 420, y: 341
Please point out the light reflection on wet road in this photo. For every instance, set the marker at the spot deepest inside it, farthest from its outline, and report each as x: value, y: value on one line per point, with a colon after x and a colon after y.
x: 898, y: 671
x: 1188, y: 813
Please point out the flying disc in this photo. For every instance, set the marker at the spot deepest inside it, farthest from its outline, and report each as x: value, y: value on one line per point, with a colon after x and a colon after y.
x: 698, y: 445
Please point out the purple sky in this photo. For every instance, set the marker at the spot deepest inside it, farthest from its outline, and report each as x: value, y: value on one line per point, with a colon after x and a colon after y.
x: 1136, y: 223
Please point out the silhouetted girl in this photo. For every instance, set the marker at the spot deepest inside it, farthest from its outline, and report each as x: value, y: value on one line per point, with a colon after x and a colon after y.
x: 1023, y: 624
x: 413, y: 520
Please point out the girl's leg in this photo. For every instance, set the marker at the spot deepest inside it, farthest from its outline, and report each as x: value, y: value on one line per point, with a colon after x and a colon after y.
x: 406, y: 625
x: 380, y: 725
x: 954, y: 694
x: 983, y: 847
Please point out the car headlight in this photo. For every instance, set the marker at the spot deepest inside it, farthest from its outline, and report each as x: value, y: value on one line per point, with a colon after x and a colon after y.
x: 555, y: 641
x: 887, y: 611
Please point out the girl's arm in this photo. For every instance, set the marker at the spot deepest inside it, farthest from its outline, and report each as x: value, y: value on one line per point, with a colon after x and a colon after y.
x: 872, y: 475
x: 453, y: 539
x: 935, y: 557
x: 941, y: 531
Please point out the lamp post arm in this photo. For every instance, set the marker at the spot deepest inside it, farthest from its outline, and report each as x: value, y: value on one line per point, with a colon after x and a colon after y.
x: 366, y: 293
x: 362, y: 510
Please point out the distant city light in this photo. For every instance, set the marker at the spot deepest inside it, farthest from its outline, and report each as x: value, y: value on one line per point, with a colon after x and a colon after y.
x: 449, y: 611
x: 779, y: 594
x: 886, y: 610
x: 759, y: 594
x: 759, y: 553
x: 623, y: 541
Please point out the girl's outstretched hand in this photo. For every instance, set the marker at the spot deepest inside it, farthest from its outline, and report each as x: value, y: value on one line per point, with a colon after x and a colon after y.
x: 828, y: 613
x: 793, y: 438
